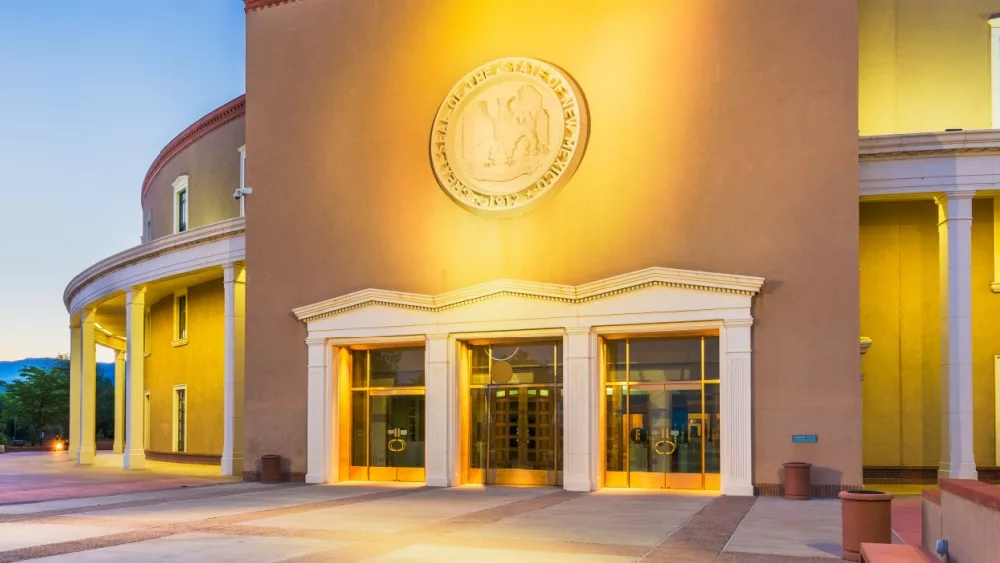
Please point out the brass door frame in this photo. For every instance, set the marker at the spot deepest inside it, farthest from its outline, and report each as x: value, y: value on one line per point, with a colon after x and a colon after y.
x: 522, y: 477
x: 628, y: 478
x: 368, y: 472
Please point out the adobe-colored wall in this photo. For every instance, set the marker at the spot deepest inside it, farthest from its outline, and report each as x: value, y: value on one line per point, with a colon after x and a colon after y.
x: 723, y: 139
x: 900, y: 312
x: 212, y: 164
x: 197, y: 364
x: 924, y: 65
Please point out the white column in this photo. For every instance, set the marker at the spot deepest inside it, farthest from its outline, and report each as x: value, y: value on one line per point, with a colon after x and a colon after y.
x: 581, y: 393
x: 737, y: 409
x: 319, y: 419
x: 74, y: 385
x: 135, y: 311
x: 441, y: 412
x: 955, y: 270
x: 119, y: 402
x: 234, y: 281
x: 88, y: 388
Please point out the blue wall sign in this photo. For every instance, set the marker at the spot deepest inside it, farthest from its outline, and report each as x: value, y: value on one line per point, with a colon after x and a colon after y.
x: 805, y: 438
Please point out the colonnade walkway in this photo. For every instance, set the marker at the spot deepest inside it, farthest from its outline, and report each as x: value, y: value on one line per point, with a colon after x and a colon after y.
x: 251, y: 522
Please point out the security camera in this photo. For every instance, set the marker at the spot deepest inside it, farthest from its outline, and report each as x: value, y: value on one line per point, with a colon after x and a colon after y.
x: 238, y: 194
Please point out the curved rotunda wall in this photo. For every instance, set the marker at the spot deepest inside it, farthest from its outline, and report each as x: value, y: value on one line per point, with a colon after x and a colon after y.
x: 212, y: 164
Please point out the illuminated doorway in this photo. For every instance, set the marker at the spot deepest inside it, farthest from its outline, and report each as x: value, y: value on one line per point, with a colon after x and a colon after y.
x: 661, y: 412
x: 387, y: 426
x: 513, y: 430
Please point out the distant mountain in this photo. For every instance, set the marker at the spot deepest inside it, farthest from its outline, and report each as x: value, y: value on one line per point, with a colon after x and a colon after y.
x: 9, y: 370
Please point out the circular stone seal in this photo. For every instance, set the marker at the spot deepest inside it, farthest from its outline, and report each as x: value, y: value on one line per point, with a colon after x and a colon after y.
x: 510, y: 132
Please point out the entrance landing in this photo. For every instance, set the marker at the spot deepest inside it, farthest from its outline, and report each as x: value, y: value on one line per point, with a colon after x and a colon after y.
x: 44, y: 476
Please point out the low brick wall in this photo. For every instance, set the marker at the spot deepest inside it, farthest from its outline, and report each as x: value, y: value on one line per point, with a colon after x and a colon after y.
x: 967, y: 514
x: 918, y: 475
x: 254, y: 477
x: 818, y: 491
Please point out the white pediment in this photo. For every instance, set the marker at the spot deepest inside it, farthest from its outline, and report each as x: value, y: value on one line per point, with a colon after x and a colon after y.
x: 653, y: 292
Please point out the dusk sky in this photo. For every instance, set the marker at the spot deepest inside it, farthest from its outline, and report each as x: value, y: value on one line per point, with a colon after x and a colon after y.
x: 89, y: 94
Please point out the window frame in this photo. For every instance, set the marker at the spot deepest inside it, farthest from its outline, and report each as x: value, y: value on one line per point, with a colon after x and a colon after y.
x: 175, y: 418
x: 180, y: 338
x: 181, y: 186
x: 147, y: 332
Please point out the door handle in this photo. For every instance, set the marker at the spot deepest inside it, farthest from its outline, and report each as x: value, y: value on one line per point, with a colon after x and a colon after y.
x: 662, y: 444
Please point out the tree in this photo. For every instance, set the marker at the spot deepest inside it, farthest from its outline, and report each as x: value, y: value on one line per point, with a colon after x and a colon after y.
x: 40, y: 398
x: 105, y: 417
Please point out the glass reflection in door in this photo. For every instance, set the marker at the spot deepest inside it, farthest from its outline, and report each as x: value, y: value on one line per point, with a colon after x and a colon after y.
x: 661, y: 413
x: 387, y: 414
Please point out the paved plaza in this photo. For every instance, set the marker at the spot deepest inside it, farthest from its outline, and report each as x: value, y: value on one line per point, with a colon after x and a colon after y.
x: 250, y: 522
x: 38, y: 476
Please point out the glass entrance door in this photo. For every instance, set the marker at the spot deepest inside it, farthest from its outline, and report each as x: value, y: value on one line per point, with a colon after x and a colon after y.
x: 397, y: 437
x: 515, y: 404
x: 662, y: 413
x: 387, y: 415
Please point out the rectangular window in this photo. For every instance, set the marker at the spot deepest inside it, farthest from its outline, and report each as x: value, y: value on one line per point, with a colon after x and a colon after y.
x: 147, y: 230
x: 180, y: 418
x: 145, y: 421
x: 181, y: 318
x: 147, y: 332
x: 181, y: 204
x: 182, y: 210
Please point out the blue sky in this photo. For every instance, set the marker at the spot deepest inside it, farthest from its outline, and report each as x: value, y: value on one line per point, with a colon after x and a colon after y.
x: 89, y: 94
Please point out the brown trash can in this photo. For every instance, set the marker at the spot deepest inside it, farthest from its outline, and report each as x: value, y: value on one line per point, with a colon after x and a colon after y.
x: 270, y: 469
x: 798, y: 484
x: 866, y: 517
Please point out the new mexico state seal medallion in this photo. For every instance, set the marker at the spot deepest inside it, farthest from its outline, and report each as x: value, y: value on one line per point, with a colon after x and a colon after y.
x: 510, y: 132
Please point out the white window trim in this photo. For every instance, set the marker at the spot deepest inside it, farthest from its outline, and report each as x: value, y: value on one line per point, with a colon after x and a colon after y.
x: 173, y: 430
x: 181, y: 185
x: 243, y: 181
x: 178, y: 338
x: 994, y: 22
x: 996, y: 398
x: 147, y: 337
x: 145, y: 421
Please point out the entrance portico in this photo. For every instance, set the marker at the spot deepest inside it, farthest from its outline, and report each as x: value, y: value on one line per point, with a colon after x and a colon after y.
x: 650, y: 302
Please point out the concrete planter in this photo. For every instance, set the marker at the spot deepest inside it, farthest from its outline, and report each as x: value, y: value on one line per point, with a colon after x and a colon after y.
x: 866, y: 517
